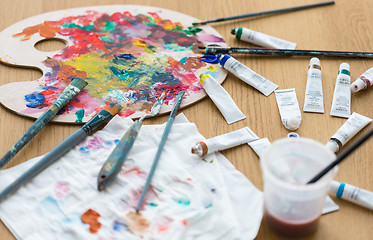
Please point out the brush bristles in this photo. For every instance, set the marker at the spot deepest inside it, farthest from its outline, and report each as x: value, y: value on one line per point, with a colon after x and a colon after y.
x: 113, y: 108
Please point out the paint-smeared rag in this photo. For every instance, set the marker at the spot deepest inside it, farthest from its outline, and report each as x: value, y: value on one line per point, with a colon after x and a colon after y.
x: 188, y: 199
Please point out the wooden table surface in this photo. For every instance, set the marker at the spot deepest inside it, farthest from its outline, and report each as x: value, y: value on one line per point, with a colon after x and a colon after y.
x: 347, y: 25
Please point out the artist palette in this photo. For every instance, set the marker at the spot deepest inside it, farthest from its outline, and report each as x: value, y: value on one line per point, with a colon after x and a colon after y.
x: 126, y: 53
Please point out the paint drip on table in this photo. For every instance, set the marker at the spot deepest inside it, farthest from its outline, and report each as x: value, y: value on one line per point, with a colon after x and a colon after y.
x: 129, y: 54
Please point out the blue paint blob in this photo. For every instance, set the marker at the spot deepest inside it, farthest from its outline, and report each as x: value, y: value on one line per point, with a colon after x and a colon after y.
x: 116, y: 141
x: 126, y: 56
x: 49, y: 207
x: 84, y: 150
x: 35, y: 100
x: 119, y: 226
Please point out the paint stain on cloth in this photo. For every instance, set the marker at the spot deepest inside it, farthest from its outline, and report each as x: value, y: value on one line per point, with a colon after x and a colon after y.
x: 137, y: 223
x: 91, y: 217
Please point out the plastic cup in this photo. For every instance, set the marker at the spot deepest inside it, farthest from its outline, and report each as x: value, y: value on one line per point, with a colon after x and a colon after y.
x: 292, y: 207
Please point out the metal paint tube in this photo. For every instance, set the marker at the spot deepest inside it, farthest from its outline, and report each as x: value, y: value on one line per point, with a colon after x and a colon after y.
x: 341, y: 106
x: 225, y: 141
x: 260, y: 146
x: 222, y: 99
x: 353, y: 194
x: 247, y: 75
x: 261, y: 39
x: 288, y: 106
x: 350, y: 128
x: 363, y: 82
x: 313, y: 100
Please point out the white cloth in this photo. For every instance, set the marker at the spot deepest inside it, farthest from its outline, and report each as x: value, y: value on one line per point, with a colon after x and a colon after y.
x: 189, y: 198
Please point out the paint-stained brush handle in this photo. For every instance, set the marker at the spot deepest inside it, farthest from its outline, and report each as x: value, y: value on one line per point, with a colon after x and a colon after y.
x: 99, y: 119
x: 113, y: 164
x: 165, y: 134
x: 70, y: 91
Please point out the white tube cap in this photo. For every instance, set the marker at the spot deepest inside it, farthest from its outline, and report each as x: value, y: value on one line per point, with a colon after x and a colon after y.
x: 293, y: 123
x: 314, y: 61
x: 332, y: 145
x: 344, y: 66
x: 358, y: 85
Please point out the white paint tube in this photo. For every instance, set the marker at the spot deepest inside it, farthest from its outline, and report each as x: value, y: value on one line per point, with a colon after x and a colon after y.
x: 260, y: 146
x: 350, y: 128
x: 363, y: 82
x: 353, y: 194
x: 225, y: 141
x: 247, y: 75
x: 261, y: 39
x: 313, y: 100
x: 341, y: 105
x: 288, y: 106
x: 222, y: 99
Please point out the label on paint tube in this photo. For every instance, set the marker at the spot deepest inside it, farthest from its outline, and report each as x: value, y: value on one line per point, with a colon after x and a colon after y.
x: 363, y: 82
x: 222, y: 99
x: 288, y: 106
x: 350, y: 128
x: 313, y: 100
x: 225, y: 141
x: 353, y: 194
x: 341, y: 105
x: 260, y: 146
x: 261, y: 39
x: 247, y: 75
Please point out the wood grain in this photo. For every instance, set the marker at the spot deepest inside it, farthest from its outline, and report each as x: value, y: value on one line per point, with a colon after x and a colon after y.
x: 343, y: 26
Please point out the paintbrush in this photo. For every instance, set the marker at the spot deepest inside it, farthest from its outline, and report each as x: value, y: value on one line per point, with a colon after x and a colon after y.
x: 166, y: 131
x: 247, y: 15
x: 70, y: 91
x: 99, y: 119
x: 342, y: 156
x: 113, y: 164
x: 283, y: 52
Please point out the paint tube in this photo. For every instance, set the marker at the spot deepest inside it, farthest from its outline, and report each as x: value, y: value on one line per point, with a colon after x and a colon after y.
x: 350, y: 128
x: 260, y: 146
x: 225, y: 141
x: 288, y: 106
x: 222, y: 99
x: 353, y: 194
x: 342, y: 94
x: 261, y: 39
x: 247, y: 75
x: 313, y: 100
x: 363, y: 82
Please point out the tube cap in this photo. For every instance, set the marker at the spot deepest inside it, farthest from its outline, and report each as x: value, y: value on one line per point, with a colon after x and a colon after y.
x: 223, y: 59
x: 314, y: 61
x: 332, y: 146
x: 293, y: 123
x: 358, y: 85
x: 344, y: 66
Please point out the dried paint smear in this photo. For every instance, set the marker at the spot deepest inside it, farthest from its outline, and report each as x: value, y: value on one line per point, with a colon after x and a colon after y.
x: 137, y: 223
x: 139, y: 56
x: 91, y: 217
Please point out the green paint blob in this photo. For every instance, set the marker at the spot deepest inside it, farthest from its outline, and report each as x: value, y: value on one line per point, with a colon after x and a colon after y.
x: 110, y: 26
x: 79, y: 115
x: 73, y: 25
x: 192, y: 31
x: 153, y: 204
x: 184, y: 202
